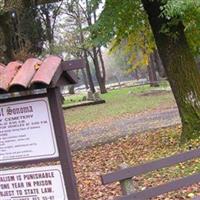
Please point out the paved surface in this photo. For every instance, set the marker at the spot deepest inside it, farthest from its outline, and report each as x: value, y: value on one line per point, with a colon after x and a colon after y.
x: 122, y: 127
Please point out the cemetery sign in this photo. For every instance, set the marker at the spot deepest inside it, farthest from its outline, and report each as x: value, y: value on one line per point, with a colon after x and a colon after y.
x: 32, y: 132
x: 24, y: 126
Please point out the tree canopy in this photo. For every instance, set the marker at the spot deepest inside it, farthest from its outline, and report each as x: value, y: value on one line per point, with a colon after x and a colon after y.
x: 175, y: 30
x: 122, y: 19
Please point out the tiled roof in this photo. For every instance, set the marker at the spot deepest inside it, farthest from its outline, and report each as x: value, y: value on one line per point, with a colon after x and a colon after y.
x: 1, y: 68
x: 33, y: 73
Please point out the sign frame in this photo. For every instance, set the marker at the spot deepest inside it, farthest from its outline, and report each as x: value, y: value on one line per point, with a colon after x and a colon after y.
x: 54, y: 98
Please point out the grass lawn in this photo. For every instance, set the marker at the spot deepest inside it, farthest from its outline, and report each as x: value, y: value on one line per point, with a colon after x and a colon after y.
x: 119, y: 102
x: 73, y: 99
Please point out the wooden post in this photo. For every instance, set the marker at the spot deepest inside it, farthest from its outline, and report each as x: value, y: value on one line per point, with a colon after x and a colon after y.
x: 63, y: 144
x: 126, y: 184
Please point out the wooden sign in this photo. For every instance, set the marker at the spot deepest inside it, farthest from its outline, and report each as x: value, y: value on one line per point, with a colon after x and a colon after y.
x: 32, y: 131
x: 33, y: 136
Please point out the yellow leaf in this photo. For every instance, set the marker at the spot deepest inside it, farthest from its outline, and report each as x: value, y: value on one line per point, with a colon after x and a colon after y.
x: 191, y: 195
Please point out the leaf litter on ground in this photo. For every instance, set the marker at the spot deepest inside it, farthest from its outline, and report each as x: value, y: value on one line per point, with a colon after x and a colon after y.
x: 91, y: 163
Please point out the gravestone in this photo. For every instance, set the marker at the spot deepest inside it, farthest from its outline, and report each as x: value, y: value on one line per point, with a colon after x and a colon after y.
x: 90, y: 96
x: 35, y: 157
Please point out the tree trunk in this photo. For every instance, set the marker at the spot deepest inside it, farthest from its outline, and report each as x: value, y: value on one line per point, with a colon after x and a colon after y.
x: 159, y: 65
x: 102, y: 65
x: 85, y: 79
x: 100, y: 76
x: 153, y: 79
x: 49, y: 32
x: 88, y: 71
x: 136, y: 74
x: 98, y: 72
x: 89, y: 75
x: 180, y: 68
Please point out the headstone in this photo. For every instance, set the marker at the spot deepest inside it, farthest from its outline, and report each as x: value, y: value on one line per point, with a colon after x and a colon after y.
x: 90, y: 96
x: 96, y: 96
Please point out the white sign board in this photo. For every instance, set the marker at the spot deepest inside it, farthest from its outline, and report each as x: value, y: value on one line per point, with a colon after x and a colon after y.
x: 41, y: 183
x: 26, y: 131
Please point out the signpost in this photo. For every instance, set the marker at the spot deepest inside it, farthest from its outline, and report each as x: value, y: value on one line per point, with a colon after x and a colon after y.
x: 32, y: 131
x: 33, y: 137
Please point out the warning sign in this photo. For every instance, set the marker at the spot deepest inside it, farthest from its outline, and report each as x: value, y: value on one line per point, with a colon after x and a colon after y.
x: 41, y: 183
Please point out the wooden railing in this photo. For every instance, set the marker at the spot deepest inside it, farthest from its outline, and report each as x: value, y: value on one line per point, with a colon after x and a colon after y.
x: 124, y: 176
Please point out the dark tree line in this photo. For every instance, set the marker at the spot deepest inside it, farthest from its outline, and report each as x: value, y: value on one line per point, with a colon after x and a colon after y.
x: 26, y: 26
x: 22, y: 31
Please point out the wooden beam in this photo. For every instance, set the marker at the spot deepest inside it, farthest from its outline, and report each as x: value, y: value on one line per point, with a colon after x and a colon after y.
x: 151, y: 166
x: 162, y: 189
x: 73, y: 64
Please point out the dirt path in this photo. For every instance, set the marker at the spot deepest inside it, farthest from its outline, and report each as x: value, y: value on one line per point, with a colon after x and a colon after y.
x: 104, y: 133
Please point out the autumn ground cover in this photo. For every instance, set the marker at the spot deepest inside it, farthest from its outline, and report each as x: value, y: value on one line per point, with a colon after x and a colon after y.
x: 92, y: 162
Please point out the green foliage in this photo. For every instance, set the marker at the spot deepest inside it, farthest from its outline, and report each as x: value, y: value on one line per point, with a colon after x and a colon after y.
x: 121, y: 19
x: 118, y: 20
x: 127, y: 23
x: 189, y: 12
x: 139, y: 45
x: 181, y: 7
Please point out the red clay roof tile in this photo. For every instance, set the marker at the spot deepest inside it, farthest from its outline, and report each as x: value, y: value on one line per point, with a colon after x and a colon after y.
x: 47, y: 70
x: 8, y: 74
x: 2, y: 68
x: 16, y: 75
x: 26, y: 73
